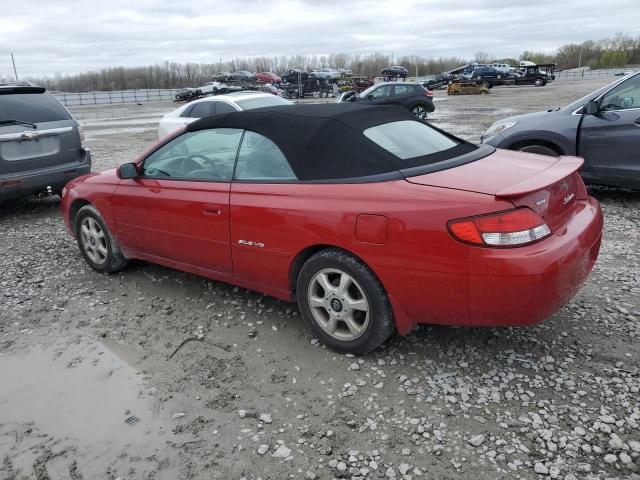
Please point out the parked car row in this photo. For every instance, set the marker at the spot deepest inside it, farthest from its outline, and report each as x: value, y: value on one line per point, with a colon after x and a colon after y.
x: 495, y: 74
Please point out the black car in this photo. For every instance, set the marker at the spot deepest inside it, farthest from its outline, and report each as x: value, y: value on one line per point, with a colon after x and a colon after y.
x: 488, y: 76
x: 40, y: 143
x: 440, y: 81
x: 242, y: 76
x: 537, y: 75
x: 395, y: 71
x: 413, y: 96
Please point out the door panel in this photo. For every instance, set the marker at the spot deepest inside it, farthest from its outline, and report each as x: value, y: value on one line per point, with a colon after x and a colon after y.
x: 610, y: 143
x: 610, y: 140
x: 184, y: 221
x: 178, y: 208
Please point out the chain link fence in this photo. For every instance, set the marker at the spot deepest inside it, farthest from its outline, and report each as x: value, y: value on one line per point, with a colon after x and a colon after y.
x: 120, y: 96
x: 584, y: 74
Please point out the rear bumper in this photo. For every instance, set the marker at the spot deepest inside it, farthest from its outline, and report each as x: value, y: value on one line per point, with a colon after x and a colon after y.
x: 24, y: 184
x: 521, y: 286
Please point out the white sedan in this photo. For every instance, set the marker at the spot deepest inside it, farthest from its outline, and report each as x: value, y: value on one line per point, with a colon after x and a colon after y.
x: 209, y: 106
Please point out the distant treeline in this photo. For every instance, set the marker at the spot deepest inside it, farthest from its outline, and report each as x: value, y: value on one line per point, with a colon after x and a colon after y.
x: 613, y: 52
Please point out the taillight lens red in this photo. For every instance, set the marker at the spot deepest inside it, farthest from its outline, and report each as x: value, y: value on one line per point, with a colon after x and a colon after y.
x: 428, y: 93
x: 512, y: 228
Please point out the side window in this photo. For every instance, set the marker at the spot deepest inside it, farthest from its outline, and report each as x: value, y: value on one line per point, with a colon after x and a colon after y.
x: 383, y: 91
x: 201, y: 110
x: 624, y: 96
x: 401, y: 89
x: 261, y: 160
x: 223, y: 107
x: 202, y: 155
x: 187, y: 111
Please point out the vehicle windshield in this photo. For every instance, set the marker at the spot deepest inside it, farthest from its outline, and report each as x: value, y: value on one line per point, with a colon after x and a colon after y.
x: 409, y: 139
x: 259, y: 102
x: 31, y: 107
x: 593, y: 95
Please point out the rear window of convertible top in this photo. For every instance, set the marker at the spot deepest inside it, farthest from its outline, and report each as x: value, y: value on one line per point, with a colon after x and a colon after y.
x: 408, y: 139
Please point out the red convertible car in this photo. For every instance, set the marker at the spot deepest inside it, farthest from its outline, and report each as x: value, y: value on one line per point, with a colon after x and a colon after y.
x: 370, y: 218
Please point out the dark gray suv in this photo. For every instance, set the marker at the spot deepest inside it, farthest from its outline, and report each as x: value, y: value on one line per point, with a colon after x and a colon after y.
x: 40, y: 144
x: 603, y: 127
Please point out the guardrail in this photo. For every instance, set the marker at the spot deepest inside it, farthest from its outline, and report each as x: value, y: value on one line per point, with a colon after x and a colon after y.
x: 118, y: 96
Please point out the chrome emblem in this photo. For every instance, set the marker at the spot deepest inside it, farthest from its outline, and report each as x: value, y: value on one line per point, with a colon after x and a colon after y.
x: 565, y: 185
x: 568, y: 198
x: 249, y: 243
x: 29, y: 135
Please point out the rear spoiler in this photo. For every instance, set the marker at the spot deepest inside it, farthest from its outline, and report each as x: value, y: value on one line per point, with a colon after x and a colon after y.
x: 564, y: 167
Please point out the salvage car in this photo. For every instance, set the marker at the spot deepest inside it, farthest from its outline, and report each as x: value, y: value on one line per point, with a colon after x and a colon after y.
x: 373, y: 220
x: 413, y: 96
x: 467, y: 88
x: 242, y: 76
x: 536, y: 75
x: 395, y: 71
x: 603, y: 127
x: 40, y: 143
x: 206, y: 107
x: 268, y: 77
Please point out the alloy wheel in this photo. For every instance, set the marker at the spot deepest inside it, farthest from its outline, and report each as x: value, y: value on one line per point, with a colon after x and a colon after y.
x: 94, y: 242
x: 420, y: 112
x: 338, y: 304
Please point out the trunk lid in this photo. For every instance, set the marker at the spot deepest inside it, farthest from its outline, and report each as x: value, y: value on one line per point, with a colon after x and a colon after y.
x: 36, y: 131
x: 549, y: 186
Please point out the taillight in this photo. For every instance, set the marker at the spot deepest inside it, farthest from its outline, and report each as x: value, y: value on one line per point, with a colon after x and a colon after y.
x: 428, y: 93
x: 512, y: 228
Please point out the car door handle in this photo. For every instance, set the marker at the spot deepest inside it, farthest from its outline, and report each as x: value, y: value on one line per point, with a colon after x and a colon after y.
x: 212, y: 210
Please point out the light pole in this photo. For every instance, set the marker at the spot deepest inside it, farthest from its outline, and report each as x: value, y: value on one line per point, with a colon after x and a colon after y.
x: 15, y: 72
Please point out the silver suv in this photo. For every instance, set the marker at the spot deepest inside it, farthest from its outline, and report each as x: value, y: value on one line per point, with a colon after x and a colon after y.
x: 40, y: 144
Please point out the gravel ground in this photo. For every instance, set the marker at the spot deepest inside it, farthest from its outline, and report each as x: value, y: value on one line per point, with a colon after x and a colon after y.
x: 156, y: 374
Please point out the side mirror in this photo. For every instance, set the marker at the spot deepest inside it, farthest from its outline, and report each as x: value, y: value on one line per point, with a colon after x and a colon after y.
x: 591, y: 108
x: 128, y: 170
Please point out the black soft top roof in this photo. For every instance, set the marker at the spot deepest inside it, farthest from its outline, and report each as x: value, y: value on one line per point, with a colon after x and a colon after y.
x: 325, y: 141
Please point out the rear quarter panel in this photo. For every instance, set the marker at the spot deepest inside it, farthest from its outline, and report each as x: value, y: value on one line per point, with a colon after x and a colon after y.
x: 420, y: 265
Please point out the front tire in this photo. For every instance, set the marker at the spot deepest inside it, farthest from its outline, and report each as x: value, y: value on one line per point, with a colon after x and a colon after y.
x: 97, y: 245
x: 343, y: 302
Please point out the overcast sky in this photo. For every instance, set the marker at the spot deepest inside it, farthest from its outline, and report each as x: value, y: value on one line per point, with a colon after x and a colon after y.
x: 68, y: 36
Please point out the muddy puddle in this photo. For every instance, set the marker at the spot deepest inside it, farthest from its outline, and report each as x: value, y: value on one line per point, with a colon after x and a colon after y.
x: 70, y: 404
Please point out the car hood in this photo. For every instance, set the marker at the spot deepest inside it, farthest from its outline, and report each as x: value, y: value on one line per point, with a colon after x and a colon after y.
x: 504, y: 173
x: 529, y: 117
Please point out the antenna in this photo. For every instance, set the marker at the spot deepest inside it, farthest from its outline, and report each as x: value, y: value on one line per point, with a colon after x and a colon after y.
x: 15, y: 73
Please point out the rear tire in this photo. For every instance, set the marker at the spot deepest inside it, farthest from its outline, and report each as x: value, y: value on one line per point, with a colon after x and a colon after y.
x: 343, y: 302
x: 538, y: 82
x: 419, y: 110
x: 97, y: 245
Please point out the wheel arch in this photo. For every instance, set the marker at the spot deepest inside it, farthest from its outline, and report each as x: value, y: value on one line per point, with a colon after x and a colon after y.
x: 75, y: 207
x: 303, y: 255
x: 537, y: 141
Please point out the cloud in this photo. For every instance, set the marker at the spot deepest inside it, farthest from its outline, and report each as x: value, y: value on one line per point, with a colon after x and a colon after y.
x: 79, y: 35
